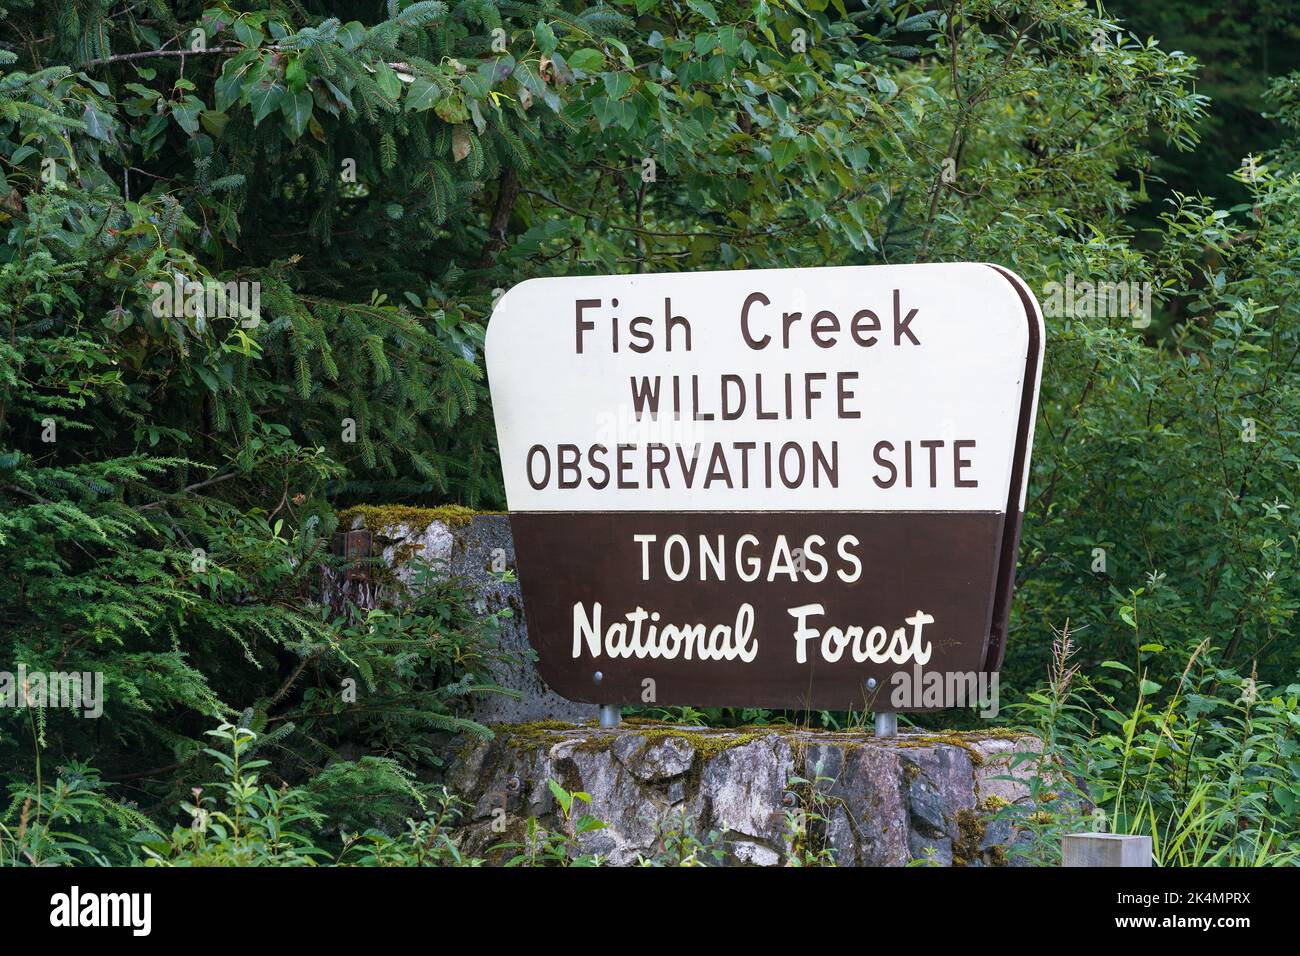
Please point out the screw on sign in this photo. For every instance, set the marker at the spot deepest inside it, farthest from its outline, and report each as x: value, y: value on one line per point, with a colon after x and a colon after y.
x: 772, y: 488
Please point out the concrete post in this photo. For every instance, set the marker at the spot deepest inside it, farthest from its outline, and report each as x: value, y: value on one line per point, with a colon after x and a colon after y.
x: 1105, y: 849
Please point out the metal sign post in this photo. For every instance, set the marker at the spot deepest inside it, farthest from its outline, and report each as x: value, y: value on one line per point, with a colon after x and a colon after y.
x: 610, y: 714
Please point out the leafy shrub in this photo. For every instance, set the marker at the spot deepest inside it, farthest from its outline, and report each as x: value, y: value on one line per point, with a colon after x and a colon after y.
x: 170, y: 480
x: 247, y: 825
x: 252, y: 825
x: 556, y: 847
x: 1209, y: 767
x: 72, y: 821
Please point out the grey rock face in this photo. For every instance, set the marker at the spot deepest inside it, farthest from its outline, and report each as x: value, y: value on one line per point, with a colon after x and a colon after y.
x: 474, y: 552
x: 670, y: 758
x: 867, y: 802
x: 741, y: 793
x: 487, y: 539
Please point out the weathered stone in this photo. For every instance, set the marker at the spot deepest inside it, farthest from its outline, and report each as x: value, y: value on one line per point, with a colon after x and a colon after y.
x: 754, y: 854
x: 995, y: 775
x: 474, y: 551
x: 658, y: 760
x: 404, y: 544
x: 630, y: 813
x: 482, y: 545
x: 997, y: 832
x: 867, y: 783
x: 872, y: 802
x: 926, y: 804
x: 840, y: 838
x: 935, y: 852
x: 740, y: 794
x: 942, y: 783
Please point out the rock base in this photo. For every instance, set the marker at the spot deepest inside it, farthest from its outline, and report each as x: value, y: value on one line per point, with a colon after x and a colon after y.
x: 756, y: 796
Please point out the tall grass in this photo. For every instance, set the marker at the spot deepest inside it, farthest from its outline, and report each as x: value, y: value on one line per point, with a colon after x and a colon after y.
x: 1208, y: 767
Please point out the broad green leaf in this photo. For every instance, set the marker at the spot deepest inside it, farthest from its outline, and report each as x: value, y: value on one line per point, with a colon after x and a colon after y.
x: 214, y: 121
x: 783, y: 152
x: 545, y: 37
x: 187, y: 116
x: 704, y: 9
x: 422, y: 94
x: 296, y: 108
x: 265, y: 98
x: 387, y: 81
x: 587, y: 60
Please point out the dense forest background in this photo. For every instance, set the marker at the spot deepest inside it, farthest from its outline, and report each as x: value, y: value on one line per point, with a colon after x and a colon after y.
x: 171, y: 473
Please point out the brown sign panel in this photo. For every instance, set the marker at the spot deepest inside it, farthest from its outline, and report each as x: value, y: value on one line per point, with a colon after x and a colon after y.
x: 777, y: 488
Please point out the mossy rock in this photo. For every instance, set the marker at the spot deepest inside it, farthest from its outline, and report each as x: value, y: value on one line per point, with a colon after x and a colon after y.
x: 379, y: 519
x: 710, y: 741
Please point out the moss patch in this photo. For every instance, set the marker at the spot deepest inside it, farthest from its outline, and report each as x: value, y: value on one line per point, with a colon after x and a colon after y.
x: 966, y: 740
x: 952, y: 740
x: 970, y: 833
x: 535, y: 734
x: 711, y: 741
x: 704, y: 744
x: 379, y: 518
x: 706, y: 741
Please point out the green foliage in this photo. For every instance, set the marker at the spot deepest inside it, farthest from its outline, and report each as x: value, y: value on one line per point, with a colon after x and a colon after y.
x: 427, y: 842
x: 248, y: 825
x: 1209, y: 768
x: 555, y: 847
x: 1240, y: 47
x: 173, y: 448
x: 806, y: 822
x: 676, y: 844
x: 65, y: 823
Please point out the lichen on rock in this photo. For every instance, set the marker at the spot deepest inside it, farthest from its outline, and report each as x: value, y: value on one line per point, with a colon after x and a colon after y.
x: 867, y: 801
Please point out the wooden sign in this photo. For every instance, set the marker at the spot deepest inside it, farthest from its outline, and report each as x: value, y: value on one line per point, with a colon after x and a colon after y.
x: 772, y: 488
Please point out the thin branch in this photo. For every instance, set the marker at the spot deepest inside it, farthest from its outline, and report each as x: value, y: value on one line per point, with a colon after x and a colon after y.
x: 146, y: 54
x: 184, y: 491
x: 507, y: 193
